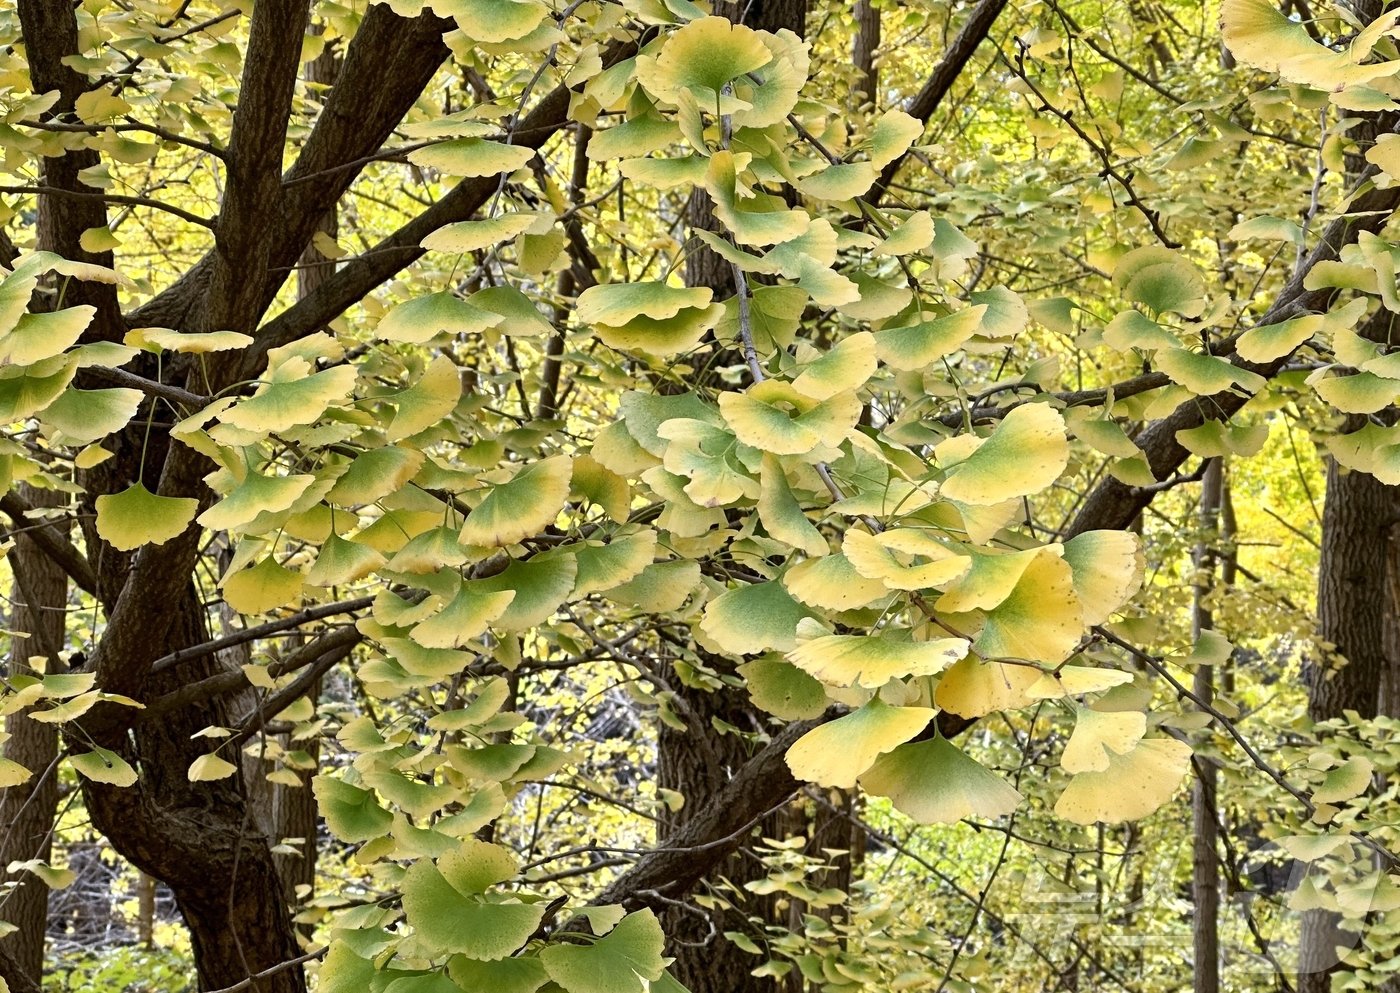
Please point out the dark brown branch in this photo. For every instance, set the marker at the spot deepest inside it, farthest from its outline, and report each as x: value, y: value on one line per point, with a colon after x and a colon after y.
x: 260, y: 631
x: 945, y: 74
x: 56, y: 191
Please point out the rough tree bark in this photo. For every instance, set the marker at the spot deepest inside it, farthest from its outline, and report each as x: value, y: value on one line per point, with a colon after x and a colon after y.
x: 27, y: 811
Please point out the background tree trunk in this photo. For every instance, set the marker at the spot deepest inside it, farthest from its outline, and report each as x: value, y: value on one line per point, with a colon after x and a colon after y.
x: 27, y: 811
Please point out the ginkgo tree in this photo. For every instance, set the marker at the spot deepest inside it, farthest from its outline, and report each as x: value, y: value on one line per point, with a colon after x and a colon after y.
x: 824, y: 489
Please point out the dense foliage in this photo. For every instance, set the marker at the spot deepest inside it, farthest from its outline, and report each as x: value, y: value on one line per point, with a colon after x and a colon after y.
x: 646, y: 495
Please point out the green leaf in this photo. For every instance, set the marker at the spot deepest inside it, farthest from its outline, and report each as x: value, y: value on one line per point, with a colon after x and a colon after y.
x: 350, y: 812
x: 36, y: 337
x: 1025, y: 454
x: 428, y: 401
x: 446, y: 920
x: 1107, y: 567
x: 1041, y: 621
x: 752, y: 619
x: 918, y: 346
x: 1273, y: 341
x: 103, y: 766
x: 783, y: 690
x: 342, y: 560
x: 699, y: 59
x: 934, y: 782
x: 1206, y: 375
x: 618, y: 304
x: 423, y: 318
x: 1161, y: 279
x: 1362, y: 393
x: 83, y: 416
x: 493, y: 21
x: 522, y: 506
x: 625, y: 960
x: 466, y: 617
x: 264, y: 587
x: 291, y: 398
x: 773, y: 416
x: 523, y: 974
x: 375, y: 474
x: 24, y: 391
x: 470, y: 236
x: 872, y: 660
x: 1348, y: 780
x: 836, y: 753
x: 471, y: 157
x: 136, y: 517
x: 540, y: 585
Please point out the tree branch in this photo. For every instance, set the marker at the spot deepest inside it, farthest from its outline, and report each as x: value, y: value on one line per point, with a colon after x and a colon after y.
x: 58, y: 548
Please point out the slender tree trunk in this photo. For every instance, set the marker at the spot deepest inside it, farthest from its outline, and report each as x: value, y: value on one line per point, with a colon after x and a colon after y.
x: 27, y: 811
x: 1205, y: 873
x: 867, y: 43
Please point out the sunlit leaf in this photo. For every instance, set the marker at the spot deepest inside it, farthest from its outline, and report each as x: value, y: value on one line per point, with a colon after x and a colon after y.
x: 934, y: 782
x: 839, y: 751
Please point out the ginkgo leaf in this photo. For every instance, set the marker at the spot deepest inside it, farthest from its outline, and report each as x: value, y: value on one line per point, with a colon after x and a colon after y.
x: 104, y: 766
x: 1161, y: 279
x: 1206, y: 375
x: 700, y: 59
x: 974, y: 688
x: 833, y: 583
x: 474, y: 866
x: 918, y: 346
x: 934, y: 782
x: 1362, y: 393
x: 781, y: 514
x: 1258, y: 34
x: 522, y: 506
x: 256, y: 494
x: 1097, y: 735
x: 193, y: 343
x: 662, y: 336
x: 602, y: 566
x: 840, y: 181
x: 470, y: 236
x: 540, y: 585
x: 1074, y: 680
x: 839, y: 751
x: 522, y: 974
x: 893, y: 133
x: 423, y: 318
x: 428, y: 401
x: 1134, y: 329
x: 136, y: 517
x: 847, y: 366
x: 264, y: 587
x: 448, y: 921
x: 471, y: 157
x: 753, y: 618
x: 891, y: 558
x: 1133, y: 786
x: 493, y: 21
x: 36, y: 337
x: 1273, y: 341
x: 284, y: 403
x: 83, y: 416
x: 341, y: 560
x: 351, y: 813
x: 210, y: 767
x: 1350, y: 779
x: 519, y: 315
x: 773, y: 417
x: 26, y: 390
x: 1213, y: 439
x: 375, y: 474
x: 872, y: 660
x: 1041, y: 620
x: 14, y: 774
x: 783, y: 690
x: 659, y: 588
x: 1024, y: 454
x: 625, y: 960
x: 617, y: 304
x: 642, y: 134
x: 1107, y: 567
x: 467, y: 616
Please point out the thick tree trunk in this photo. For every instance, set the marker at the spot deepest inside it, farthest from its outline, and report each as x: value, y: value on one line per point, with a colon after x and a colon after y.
x: 1353, y: 607
x: 867, y: 43
x: 27, y: 811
